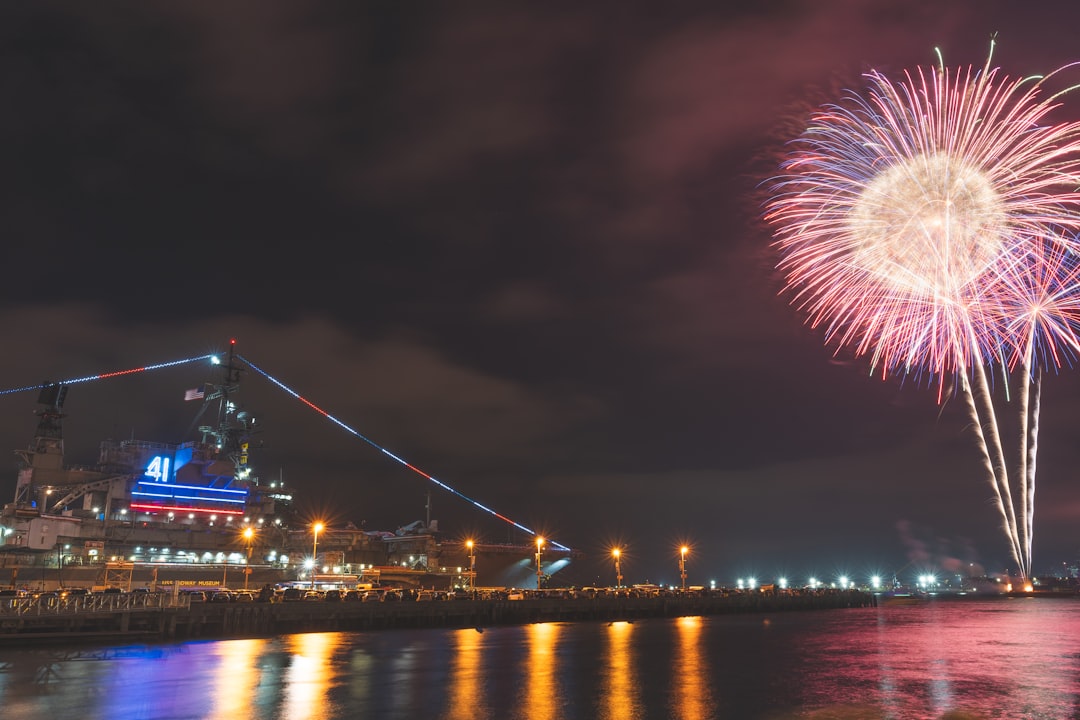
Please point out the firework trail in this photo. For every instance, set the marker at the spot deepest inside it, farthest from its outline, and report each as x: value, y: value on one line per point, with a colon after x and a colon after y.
x: 931, y: 225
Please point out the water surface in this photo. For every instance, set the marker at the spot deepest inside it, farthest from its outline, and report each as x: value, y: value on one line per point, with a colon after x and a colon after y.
x: 999, y: 658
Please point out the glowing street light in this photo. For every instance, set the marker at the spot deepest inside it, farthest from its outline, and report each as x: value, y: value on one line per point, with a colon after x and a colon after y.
x: 249, y: 536
x: 316, y: 528
x: 617, y: 554
x: 539, y: 551
x: 472, y: 564
x: 682, y: 565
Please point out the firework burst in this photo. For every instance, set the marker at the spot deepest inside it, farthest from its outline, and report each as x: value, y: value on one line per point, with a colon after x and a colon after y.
x: 931, y: 225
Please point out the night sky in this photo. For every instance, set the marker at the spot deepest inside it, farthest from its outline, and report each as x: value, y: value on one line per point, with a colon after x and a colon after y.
x: 519, y: 247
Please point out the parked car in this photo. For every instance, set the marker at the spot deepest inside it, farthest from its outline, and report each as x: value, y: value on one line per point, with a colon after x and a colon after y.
x: 334, y: 595
x: 221, y: 596
x: 292, y: 593
x: 75, y: 592
x: 243, y: 596
x: 425, y: 596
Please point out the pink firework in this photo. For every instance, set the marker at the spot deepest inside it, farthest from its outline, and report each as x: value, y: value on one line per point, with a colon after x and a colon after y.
x: 931, y: 225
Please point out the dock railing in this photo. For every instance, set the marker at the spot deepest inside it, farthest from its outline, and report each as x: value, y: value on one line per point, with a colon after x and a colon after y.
x: 55, y: 604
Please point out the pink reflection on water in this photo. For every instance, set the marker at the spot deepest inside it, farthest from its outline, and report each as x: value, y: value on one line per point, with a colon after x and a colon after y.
x: 1011, y: 658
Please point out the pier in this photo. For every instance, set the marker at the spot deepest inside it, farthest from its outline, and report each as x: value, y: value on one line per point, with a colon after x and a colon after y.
x: 153, y: 617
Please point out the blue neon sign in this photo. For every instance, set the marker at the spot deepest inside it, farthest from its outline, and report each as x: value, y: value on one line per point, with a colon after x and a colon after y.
x: 159, y: 469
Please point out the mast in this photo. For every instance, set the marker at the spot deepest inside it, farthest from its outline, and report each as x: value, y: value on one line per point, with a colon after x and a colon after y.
x: 234, y: 426
x: 46, y: 453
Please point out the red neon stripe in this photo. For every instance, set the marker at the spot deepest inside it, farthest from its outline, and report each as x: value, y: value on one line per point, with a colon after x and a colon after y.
x: 312, y: 405
x: 418, y: 471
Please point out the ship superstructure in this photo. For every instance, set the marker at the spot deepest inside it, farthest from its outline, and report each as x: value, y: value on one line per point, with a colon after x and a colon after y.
x: 194, y: 511
x: 140, y: 490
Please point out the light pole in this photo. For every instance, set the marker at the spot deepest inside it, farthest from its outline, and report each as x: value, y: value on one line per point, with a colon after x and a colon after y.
x: 472, y: 565
x: 316, y: 528
x: 539, y: 551
x: 617, y: 554
x: 249, y: 535
x: 682, y: 565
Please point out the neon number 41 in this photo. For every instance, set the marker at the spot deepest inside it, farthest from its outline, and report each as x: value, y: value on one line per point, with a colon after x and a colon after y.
x: 158, y: 469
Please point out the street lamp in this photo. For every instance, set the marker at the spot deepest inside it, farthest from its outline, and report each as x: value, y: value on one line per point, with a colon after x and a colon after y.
x: 682, y: 565
x: 472, y: 565
x: 539, y: 550
x: 617, y: 554
x: 249, y: 535
x: 316, y: 528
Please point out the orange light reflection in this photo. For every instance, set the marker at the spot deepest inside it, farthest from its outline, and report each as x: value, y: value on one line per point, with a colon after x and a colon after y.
x: 466, y: 698
x: 693, y: 694
x: 237, y: 678
x: 621, y: 698
x: 542, y: 697
x: 310, y: 676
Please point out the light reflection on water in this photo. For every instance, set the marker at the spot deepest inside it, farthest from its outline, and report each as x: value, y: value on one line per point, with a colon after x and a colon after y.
x: 691, y: 677
x: 620, y: 697
x: 466, y: 699
x: 999, y: 658
x: 237, y: 678
x: 944, y: 659
x: 542, y: 699
x: 312, y: 672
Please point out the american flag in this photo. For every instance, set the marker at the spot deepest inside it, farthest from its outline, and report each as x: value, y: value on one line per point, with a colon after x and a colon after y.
x: 195, y: 394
